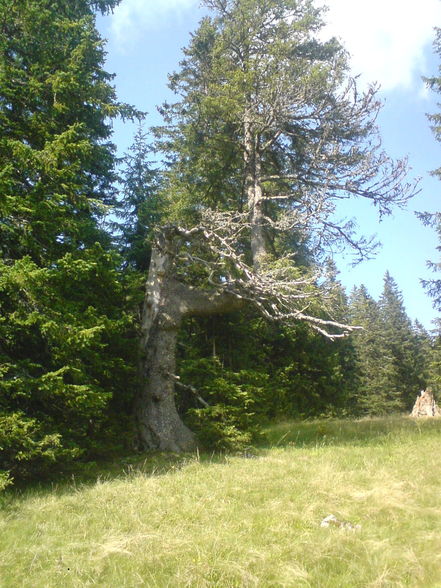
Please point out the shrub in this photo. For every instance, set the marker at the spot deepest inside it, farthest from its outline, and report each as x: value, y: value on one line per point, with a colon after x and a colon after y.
x: 25, y: 449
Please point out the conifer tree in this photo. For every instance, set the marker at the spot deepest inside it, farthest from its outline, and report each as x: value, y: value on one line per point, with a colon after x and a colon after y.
x: 365, y: 312
x: 434, y: 367
x: 433, y: 220
x: 392, y: 354
x: 399, y: 368
x: 63, y: 317
x: 268, y: 134
x: 139, y: 206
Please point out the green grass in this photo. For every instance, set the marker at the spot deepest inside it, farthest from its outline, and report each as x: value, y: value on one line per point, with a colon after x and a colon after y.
x: 229, y: 521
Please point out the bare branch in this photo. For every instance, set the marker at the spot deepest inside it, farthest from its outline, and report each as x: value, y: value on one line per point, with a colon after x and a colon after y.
x: 277, y: 290
x: 177, y: 381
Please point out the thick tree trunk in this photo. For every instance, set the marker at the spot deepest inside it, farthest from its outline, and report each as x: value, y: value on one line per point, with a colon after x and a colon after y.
x: 159, y: 424
x: 167, y: 302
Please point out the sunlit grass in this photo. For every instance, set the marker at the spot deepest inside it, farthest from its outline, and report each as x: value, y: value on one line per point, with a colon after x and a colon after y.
x: 232, y: 521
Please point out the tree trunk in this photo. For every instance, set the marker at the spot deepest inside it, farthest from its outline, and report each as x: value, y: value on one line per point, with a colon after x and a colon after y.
x: 253, y: 189
x: 159, y: 424
x: 167, y: 302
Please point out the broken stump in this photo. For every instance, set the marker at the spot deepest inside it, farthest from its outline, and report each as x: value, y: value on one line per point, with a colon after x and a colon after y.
x: 425, y: 405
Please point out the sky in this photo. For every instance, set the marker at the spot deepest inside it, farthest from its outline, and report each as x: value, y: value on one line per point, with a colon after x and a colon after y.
x: 390, y: 43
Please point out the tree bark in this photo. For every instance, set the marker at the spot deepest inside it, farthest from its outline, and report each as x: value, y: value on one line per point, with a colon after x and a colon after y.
x: 253, y: 189
x: 159, y: 424
x: 167, y: 302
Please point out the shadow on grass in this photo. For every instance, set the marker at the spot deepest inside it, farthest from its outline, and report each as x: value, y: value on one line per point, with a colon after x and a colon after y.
x: 361, y: 432
x: 300, y: 434
x: 79, y: 475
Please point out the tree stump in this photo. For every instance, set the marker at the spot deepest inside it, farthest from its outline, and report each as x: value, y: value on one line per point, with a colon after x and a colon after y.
x: 425, y: 405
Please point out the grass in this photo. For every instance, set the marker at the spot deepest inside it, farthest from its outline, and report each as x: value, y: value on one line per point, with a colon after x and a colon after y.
x: 231, y: 521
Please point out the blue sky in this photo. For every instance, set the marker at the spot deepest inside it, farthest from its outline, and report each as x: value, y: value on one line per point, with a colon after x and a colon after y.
x: 390, y: 42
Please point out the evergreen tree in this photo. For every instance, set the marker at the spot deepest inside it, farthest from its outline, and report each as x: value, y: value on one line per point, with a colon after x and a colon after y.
x: 433, y: 220
x: 372, y: 398
x: 433, y: 286
x: 64, y: 321
x: 57, y: 160
x: 424, y: 345
x: 266, y: 116
x: 435, y: 362
x: 140, y: 204
x: 399, y: 369
x: 392, y: 354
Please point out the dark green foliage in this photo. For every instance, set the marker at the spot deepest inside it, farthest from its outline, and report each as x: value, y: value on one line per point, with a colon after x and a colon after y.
x: 250, y: 372
x: 67, y: 346
x: 435, y: 365
x: 55, y: 104
x: 401, y: 372
x: 66, y: 334
x: 26, y: 449
x: 364, y: 312
x: 392, y: 354
x: 315, y: 376
x: 140, y: 206
x: 235, y: 401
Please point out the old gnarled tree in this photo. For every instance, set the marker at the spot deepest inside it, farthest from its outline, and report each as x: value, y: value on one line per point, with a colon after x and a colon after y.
x: 269, y: 133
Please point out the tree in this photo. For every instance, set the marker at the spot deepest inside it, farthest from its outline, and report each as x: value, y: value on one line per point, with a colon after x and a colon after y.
x: 364, y: 311
x: 435, y: 361
x: 140, y: 205
x: 269, y: 133
x: 400, y: 372
x: 57, y: 159
x: 392, y: 354
x: 65, y: 324
x: 433, y: 287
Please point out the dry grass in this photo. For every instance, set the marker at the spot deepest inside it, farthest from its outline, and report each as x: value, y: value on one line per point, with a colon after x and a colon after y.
x: 245, y: 522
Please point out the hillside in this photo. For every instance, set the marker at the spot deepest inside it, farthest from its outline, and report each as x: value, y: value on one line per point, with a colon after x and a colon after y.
x: 244, y: 520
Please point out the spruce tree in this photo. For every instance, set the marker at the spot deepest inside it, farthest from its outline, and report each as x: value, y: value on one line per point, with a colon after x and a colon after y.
x: 433, y: 220
x: 364, y: 311
x: 268, y: 133
x: 435, y: 363
x: 392, y: 354
x: 64, y: 322
x: 139, y: 206
x: 399, y: 370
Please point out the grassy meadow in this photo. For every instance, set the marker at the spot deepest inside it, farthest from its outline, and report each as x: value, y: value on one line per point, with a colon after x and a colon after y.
x: 241, y: 520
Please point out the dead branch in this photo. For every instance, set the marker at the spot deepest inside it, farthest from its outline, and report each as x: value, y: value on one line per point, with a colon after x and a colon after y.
x: 278, y: 290
x: 191, y: 389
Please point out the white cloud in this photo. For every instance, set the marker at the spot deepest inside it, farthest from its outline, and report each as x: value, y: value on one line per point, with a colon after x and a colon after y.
x: 132, y: 17
x: 386, y: 38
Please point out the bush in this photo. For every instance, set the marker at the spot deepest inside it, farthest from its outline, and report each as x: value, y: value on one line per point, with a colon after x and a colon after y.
x: 5, y: 480
x: 231, y: 420
x: 25, y: 449
x: 219, y: 427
